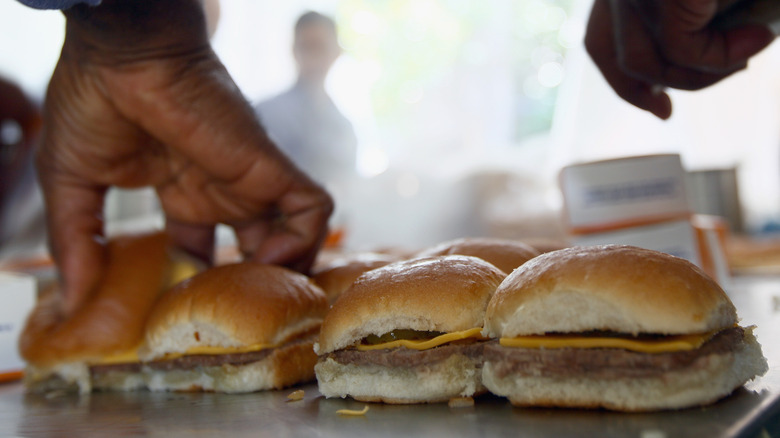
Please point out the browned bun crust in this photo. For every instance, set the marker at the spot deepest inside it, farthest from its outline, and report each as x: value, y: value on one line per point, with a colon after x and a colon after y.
x: 293, y: 364
x: 616, y: 288
x: 504, y: 254
x: 234, y: 305
x: 338, y: 275
x: 111, y: 321
x: 445, y: 294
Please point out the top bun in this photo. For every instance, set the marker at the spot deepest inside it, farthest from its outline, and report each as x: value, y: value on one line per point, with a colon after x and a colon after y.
x: 443, y: 294
x: 338, y: 275
x: 233, y: 306
x: 615, y: 288
x: 111, y: 321
x: 504, y: 254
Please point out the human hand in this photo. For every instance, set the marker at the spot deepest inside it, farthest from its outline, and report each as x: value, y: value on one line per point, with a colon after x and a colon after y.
x: 642, y: 47
x: 138, y: 98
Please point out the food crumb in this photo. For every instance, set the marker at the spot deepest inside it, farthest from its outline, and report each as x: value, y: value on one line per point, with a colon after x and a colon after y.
x: 296, y: 395
x: 461, y: 402
x: 353, y: 412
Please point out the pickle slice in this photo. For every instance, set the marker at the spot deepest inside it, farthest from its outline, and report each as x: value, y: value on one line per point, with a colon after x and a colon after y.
x: 396, y: 335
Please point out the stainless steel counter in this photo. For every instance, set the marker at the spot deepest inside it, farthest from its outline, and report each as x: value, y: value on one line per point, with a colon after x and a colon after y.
x: 745, y: 413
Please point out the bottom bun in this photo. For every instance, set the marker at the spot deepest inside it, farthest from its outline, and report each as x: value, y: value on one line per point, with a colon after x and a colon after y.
x: 119, y: 381
x: 282, y: 367
x: 285, y: 366
x: 722, y: 374
x: 67, y: 376
x: 456, y: 376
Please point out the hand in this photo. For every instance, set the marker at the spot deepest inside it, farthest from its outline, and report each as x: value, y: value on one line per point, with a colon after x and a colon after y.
x: 138, y: 98
x: 643, y: 46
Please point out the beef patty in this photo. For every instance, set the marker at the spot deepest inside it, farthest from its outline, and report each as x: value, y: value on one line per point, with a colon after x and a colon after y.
x: 562, y: 362
x: 605, y: 363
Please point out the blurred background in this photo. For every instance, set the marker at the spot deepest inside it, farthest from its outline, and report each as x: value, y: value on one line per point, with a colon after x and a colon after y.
x: 464, y: 112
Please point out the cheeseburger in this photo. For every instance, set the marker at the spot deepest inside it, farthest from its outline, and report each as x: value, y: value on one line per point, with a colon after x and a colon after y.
x: 504, y: 254
x: 95, y: 348
x: 616, y: 327
x: 408, y: 332
x: 234, y: 328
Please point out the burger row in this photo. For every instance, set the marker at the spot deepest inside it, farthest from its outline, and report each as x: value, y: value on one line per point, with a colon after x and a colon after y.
x: 613, y: 326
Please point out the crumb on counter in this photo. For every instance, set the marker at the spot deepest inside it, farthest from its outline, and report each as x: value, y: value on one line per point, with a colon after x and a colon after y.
x: 461, y: 402
x: 352, y: 412
x: 296, y: 395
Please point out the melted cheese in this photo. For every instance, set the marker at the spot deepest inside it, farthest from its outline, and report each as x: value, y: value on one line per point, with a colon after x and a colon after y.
x: 425, y: 344
x: 662, y: 345
x: 180, y: 271
x: 129, y: 356
x: 206, y: 350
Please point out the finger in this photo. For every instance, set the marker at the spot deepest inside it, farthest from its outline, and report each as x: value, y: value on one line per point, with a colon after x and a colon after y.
x: 75, y: 225
x: 242, y: 172
x: 639, y: 56
x: 600, y: 43
x: 295, y: 238
x: 197, y: 240
x: 687, y: 38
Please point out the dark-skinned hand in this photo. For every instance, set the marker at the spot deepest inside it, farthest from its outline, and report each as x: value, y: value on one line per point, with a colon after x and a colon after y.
x: 138, y: 98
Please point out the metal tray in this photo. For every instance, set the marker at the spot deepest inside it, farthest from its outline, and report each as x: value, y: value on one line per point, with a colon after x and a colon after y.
x: 268, y: 414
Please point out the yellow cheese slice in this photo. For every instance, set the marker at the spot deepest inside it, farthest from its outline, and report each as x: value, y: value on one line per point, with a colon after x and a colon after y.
x: 662, y: 345
x: 206, y: 350
x: 180, y: 271
x: 132, y: 355
x: 425, y: 344
x: 129, y: 356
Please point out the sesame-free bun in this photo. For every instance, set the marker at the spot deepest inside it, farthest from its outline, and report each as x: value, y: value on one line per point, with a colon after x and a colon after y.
x: 614, y: 288
x: 338, y: 274
x: 442, y: 294
x: 233, y: 306
x: 455, y: 376
x: 503, y: 254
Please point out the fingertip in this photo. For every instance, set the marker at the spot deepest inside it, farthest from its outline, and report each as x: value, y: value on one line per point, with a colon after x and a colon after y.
x: 661, y: 106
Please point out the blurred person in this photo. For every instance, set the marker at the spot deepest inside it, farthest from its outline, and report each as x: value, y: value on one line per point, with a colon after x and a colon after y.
x: 642, y: 47
x: 22, y: 227
x: 303, y: 121
x: 138, y: 98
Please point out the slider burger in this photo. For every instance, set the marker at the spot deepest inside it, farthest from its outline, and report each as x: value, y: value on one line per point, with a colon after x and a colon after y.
x: 95, y: 348
x: 338, y: 275
x: 408, y: 332
x: 616, y: 327
x: 234, y: 328
x: 504, y: 254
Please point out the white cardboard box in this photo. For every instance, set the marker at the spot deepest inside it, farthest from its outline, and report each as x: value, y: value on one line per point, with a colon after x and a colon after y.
x: 18, y: 292
x: 677, y: 238
x: 613, y: 193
